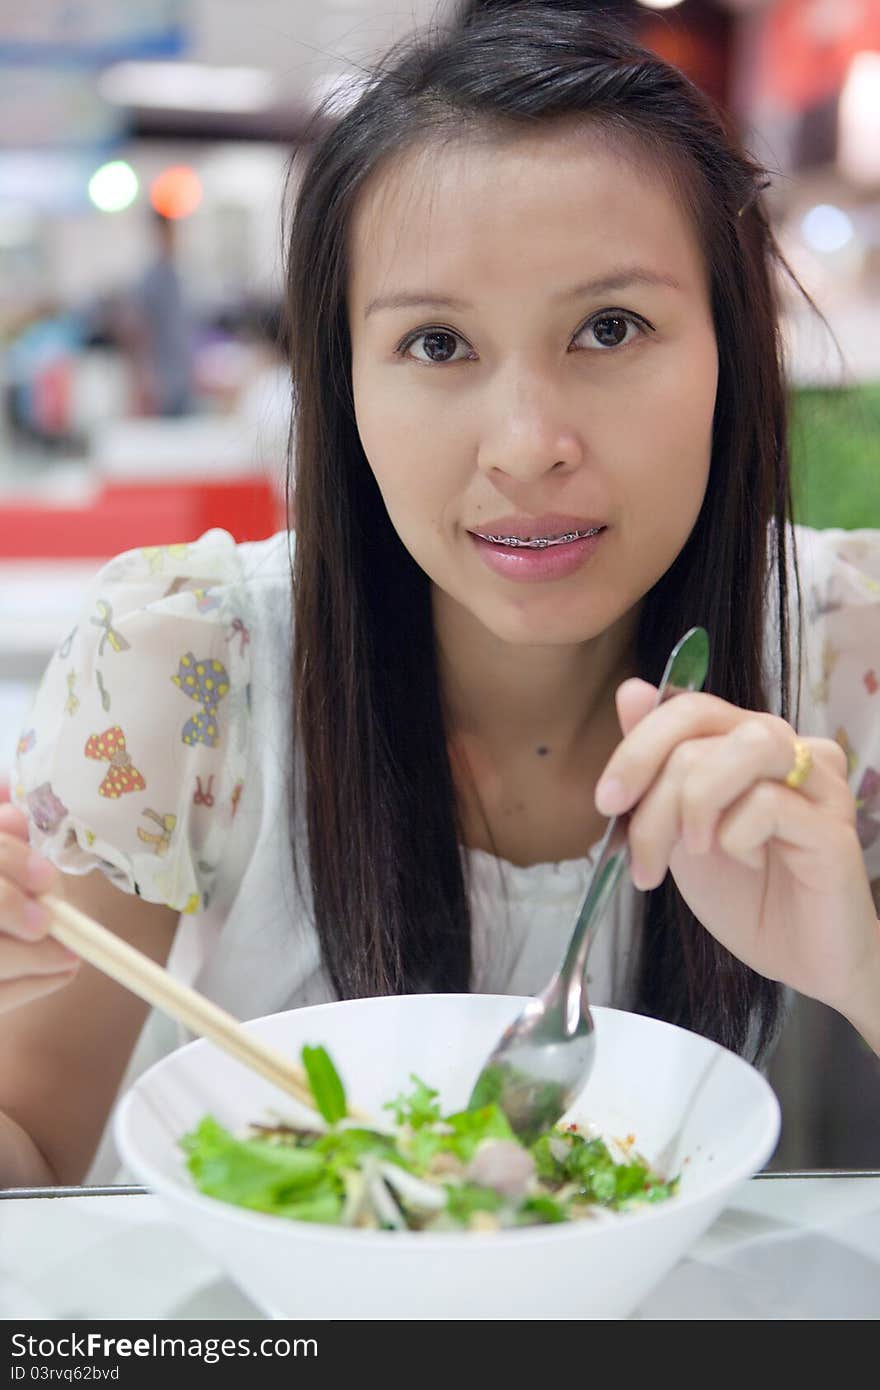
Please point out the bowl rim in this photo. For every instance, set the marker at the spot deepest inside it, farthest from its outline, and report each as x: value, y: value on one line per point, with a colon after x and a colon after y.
x: 176, y: 1193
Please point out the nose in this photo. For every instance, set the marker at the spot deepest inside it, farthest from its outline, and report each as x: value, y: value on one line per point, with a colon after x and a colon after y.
x: 528, y: 429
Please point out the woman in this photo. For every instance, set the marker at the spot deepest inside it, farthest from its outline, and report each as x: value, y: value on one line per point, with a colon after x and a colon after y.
x: 541, y: 431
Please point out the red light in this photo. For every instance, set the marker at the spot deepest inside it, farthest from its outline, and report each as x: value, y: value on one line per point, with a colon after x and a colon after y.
x: 176, y: 192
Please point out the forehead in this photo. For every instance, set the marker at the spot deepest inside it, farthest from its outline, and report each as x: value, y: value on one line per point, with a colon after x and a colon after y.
x: 491, y: 210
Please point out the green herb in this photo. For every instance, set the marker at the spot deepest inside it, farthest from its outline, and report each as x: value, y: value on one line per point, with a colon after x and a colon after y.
x: 344, y: 1148
x: 588, y: 1164
x: 417, y: 1109
x: 542, y: 1209
x: 325, y: 1083
x: 463, y: 1199
x: 548, y: 1167
x: 471, y: 1127
x: 423, y: 1145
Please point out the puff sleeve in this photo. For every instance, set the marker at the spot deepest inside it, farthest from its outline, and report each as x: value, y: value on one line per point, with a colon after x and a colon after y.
x: 840, y: 690
x: 132, y: 758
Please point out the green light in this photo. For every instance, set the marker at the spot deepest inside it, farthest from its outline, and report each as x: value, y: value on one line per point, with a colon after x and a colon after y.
x: 114, y: 186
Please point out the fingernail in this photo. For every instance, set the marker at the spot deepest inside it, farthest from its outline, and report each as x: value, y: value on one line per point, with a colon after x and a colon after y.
x: 38, y: 872
x: 36, y: 918
x: 610, y: 796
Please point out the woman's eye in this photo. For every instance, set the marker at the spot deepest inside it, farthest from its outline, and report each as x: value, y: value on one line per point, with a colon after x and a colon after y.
x: 610, y: 330
x: 436, y: 345
x: 440, y: 346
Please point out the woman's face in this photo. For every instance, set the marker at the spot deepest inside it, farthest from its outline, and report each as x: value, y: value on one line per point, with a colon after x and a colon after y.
x: 533, y: 357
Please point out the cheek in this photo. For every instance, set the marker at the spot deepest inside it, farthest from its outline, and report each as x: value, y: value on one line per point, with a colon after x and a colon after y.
x: 404, y: 464
x: 381, y: 430
x: 417, y: 467
x: 675, y: 437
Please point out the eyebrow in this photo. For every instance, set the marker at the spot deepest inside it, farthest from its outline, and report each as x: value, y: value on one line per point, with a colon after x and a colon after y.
x: 614, y: 280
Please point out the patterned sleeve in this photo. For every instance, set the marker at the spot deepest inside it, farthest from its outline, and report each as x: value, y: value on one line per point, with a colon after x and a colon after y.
x: 132, y: 758
x: 840, y: 691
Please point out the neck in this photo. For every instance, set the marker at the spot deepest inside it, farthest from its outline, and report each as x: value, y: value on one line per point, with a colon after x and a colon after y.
x: 516, y: 700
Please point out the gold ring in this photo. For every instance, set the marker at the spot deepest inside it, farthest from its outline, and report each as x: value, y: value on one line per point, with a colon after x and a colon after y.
x: 800, y: 768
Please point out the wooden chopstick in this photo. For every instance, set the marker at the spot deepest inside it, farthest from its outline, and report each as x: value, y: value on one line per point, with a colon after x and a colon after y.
x: 149, y: 981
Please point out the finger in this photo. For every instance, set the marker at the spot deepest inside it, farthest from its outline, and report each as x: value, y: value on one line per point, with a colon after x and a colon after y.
x: 637, y: 760
x: 26, y: 866
x: 811, y: 840
x: 19, y: 959
x: 704, y: 777
x: 655, y: 826
x: 13, y: 821
x: 21, y: 914
x: 634, y: 699
x: 723, y: 770
x: 13, y: 993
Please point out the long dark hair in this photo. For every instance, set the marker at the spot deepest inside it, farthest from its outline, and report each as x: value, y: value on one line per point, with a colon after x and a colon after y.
x: 386, y: 873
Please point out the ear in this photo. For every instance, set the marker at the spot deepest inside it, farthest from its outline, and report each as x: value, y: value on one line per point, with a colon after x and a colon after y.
x: 634, y: 698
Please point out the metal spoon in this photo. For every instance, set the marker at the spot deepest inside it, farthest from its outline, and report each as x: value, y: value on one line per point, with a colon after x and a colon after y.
x: 543, y: 1060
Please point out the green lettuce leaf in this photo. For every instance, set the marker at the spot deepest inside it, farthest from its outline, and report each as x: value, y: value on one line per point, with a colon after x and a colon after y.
x: 254, y: 1173
x: 323, y: 1205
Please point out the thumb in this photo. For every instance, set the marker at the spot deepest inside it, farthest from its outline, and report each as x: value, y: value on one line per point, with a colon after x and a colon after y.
x: 634, y: 698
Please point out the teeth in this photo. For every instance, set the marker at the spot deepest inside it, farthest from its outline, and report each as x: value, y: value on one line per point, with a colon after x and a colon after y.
x: 541, y: 542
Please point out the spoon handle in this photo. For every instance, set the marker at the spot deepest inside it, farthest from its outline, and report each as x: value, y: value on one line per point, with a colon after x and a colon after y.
x: 685, y: 670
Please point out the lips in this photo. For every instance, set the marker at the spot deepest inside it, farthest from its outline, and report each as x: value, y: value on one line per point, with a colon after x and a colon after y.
x: 538, y: 561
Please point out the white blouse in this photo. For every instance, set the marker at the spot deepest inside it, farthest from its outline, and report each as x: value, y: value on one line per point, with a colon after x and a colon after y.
x: 158, y: 750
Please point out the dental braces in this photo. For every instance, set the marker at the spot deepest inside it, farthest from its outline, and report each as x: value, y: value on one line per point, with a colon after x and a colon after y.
x: 542, y: 542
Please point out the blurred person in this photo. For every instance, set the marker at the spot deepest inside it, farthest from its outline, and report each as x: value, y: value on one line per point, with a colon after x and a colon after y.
x: 540, y: 432
x: 38, y: 367
x: 155, y: 329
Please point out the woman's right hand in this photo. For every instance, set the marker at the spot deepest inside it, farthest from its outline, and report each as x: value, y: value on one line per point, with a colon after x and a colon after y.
x: 31, y: 962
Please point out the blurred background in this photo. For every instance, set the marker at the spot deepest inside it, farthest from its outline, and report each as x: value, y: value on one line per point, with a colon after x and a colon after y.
x: 143, y: 395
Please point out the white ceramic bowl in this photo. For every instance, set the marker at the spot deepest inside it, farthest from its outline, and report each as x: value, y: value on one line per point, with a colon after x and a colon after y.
x: 693, y: 1107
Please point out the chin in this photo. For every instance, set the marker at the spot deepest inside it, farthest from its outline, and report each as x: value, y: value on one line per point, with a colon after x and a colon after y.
x: 538, y: 629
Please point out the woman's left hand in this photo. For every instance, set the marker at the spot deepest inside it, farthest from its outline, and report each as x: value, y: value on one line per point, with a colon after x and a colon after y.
x: 775, y: 874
